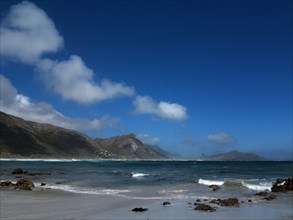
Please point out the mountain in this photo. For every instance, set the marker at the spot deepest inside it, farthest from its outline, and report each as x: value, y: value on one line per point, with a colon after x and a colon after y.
x: 164, y: 152
x: 234, y: 156
x: 128, y: 146
x: 21, y: 138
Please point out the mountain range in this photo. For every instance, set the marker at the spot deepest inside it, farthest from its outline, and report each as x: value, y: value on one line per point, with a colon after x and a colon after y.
x: 20, y: 138
x: 26, y: 139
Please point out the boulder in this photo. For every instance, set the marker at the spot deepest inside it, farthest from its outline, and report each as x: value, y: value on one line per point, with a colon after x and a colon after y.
x: 226, y: 202
x: 205, y: 208
x: 166, y: 203
x: 283, y: 185
x: 18, y: 171
x: 214, y: 187
x: 261, y: 194
x: 139, y: 209
x: 6, y: 184
x: 270, y: 197
x: 25, y: 184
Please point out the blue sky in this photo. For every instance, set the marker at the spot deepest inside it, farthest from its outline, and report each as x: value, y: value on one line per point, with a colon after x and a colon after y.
x: 191, y: 76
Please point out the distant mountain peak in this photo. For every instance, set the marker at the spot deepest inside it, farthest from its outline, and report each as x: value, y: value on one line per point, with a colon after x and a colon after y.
x: 234, y: 156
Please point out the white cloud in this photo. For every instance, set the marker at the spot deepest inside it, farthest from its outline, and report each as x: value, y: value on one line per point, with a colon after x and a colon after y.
x: 221, y: 138
x: 73, y: 80
x: 22, y: 106
x: 165, y: 110
x: 27, y: 33
x: 148, y: 139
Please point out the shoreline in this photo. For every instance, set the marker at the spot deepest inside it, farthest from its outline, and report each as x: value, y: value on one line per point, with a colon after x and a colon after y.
x: 57, y: 204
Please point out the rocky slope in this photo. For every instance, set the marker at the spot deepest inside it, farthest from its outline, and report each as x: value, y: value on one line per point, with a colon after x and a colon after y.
x: 128, y: 146
x: 21, y: 138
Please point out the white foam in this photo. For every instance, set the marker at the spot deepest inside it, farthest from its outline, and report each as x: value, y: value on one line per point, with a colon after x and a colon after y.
x: 79, y: 190
x: 139, y: 175
x: 210, y: 182
x: 258, y: 187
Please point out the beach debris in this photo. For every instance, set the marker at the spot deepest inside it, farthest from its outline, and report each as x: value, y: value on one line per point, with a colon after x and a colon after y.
x: 261, y: 193
x: 214, y: 187
x: 139, y: 209
x: 226, y: 202
x: 283, y: 185
x: 18, y: 171
x: 24, y: 184
x: 6, y: 184
x: 270, y: 197
x: 166, y: 203
x: 205, y: 208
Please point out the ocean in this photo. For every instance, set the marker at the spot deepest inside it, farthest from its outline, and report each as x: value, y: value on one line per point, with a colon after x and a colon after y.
x: 152, y: 179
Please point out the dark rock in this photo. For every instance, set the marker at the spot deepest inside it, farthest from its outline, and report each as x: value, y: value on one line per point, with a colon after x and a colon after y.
x: 18, y: 171
x: 261, y: 194
x: 38, y: 174
x: 6, y: 184
x: 43, y: 184
x: 226, y: 202
x: 25, y: 184
x: 195, y: 203
x: 59, y: 182
x: 214, y: 187
x: 198, y: 200
x: 270, y: 197
x: 166, y: 204
x: 283, y: 185
x: 139, y: 209
x: 249, y: 200
x: 205, y: 208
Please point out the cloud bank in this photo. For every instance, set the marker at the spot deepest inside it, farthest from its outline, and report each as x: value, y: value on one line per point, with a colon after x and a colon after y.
x: 221, y: 139
x: 164, y: 110
x: 22, y: 106
x: 27, y: 35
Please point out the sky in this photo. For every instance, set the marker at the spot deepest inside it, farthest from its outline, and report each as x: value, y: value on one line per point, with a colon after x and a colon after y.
x: 192, y: 76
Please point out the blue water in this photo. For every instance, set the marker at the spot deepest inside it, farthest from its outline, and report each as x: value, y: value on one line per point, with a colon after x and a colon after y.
x: 152, y: 178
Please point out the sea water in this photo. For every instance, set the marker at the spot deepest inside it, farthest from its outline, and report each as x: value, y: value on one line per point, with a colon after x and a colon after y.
x: 149, y: 179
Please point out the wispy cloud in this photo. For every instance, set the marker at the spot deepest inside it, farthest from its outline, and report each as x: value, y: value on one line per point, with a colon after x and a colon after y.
x: 22, y: 106
x: 148, y: 139
x: 164, y: 110
x: 27, y: 33
x: 221, y: 139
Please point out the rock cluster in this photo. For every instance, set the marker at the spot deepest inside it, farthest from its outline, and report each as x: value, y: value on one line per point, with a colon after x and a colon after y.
x: 205, y: 208
x: 283, y: 185
x: 226, y: 202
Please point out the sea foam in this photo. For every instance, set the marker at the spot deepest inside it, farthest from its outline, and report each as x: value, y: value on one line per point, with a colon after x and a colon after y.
x: 210, y: 182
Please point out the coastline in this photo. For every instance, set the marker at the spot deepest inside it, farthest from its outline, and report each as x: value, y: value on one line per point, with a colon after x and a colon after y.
x: 57, y: 204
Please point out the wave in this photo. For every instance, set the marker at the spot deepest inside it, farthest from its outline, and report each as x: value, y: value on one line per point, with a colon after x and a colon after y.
x: 139, y: 175
x: 255, y: 185
x: 210, y: 182
x: 259, y: 186
x: 73, y: 189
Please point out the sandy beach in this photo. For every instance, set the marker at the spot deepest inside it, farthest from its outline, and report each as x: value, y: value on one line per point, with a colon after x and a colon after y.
x: 55, y: 204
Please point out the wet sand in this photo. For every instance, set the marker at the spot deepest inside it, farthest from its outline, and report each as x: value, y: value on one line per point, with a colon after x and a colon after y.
x: 55, y: 204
